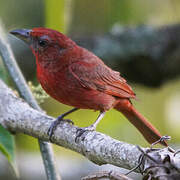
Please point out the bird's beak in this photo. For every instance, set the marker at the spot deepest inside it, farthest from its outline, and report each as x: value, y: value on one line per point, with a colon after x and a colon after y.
x: 23, y: 34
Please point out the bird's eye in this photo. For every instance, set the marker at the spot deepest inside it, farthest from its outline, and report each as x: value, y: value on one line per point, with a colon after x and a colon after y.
x: 42, y: 43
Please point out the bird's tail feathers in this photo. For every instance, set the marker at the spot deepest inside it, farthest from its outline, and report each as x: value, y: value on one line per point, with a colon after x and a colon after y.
x: 150, y: 133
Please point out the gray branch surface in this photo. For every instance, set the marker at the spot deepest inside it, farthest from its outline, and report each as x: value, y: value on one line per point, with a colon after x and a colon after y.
x: 143, y: 54
x: 17, y: 116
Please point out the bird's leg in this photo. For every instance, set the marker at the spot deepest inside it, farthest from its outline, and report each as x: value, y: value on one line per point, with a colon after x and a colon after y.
x: 92, y: 127
x: 58, y: 120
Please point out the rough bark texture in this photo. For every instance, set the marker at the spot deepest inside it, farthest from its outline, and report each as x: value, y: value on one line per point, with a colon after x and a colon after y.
x: 145, y: 54
x: 17, y: 116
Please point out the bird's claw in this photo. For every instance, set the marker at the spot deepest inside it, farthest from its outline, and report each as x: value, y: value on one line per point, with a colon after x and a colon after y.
x: 52, y: 128
x: 80, y: 132
x: 54, y: 125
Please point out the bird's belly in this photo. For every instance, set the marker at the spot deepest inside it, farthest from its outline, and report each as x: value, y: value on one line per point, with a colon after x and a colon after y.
x: 68, y: 91
x: 88, y: 99
x: 80, y: 97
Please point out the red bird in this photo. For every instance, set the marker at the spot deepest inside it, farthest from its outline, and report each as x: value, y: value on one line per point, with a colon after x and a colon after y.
x: 74, y: 76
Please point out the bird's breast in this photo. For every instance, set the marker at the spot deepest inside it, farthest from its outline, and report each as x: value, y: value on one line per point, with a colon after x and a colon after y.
x: 66, y: 89
x: 54, y: 84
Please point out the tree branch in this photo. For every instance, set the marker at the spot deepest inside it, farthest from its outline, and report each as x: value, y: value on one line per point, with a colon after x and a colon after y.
x: 143, y: 54
x: 16, y: 115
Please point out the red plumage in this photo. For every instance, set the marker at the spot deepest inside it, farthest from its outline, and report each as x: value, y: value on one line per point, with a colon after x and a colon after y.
x: 76, y: 77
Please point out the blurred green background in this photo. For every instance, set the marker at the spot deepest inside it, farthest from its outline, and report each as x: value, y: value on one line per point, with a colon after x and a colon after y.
x: 159, y: 105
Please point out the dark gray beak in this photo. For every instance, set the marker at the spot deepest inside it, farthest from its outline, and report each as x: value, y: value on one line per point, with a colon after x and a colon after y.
x: 23, y: 34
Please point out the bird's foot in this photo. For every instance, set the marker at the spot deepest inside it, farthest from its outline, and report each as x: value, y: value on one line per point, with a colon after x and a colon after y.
x: 80, y: 132
x: 54, y: 125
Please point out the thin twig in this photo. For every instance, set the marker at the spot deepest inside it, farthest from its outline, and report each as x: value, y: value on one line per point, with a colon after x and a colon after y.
x: 112, y: 175
x: 163, y: 138
x: 14, y: 71
x: 140, y: 160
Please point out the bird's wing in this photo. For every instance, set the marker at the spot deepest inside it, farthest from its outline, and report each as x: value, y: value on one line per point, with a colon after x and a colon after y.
x: 99, y: 77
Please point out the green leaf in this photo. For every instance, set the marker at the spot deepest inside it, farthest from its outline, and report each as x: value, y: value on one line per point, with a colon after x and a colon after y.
x: 7, y: 147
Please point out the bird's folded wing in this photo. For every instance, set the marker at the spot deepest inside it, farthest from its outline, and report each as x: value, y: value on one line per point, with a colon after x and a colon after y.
x: 98, y: 76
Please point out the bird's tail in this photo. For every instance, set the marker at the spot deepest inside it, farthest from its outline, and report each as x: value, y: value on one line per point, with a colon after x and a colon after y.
x: 150, y: 133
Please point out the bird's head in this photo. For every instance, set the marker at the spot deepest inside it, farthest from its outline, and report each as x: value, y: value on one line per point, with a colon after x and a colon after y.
x: 46, y: 44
